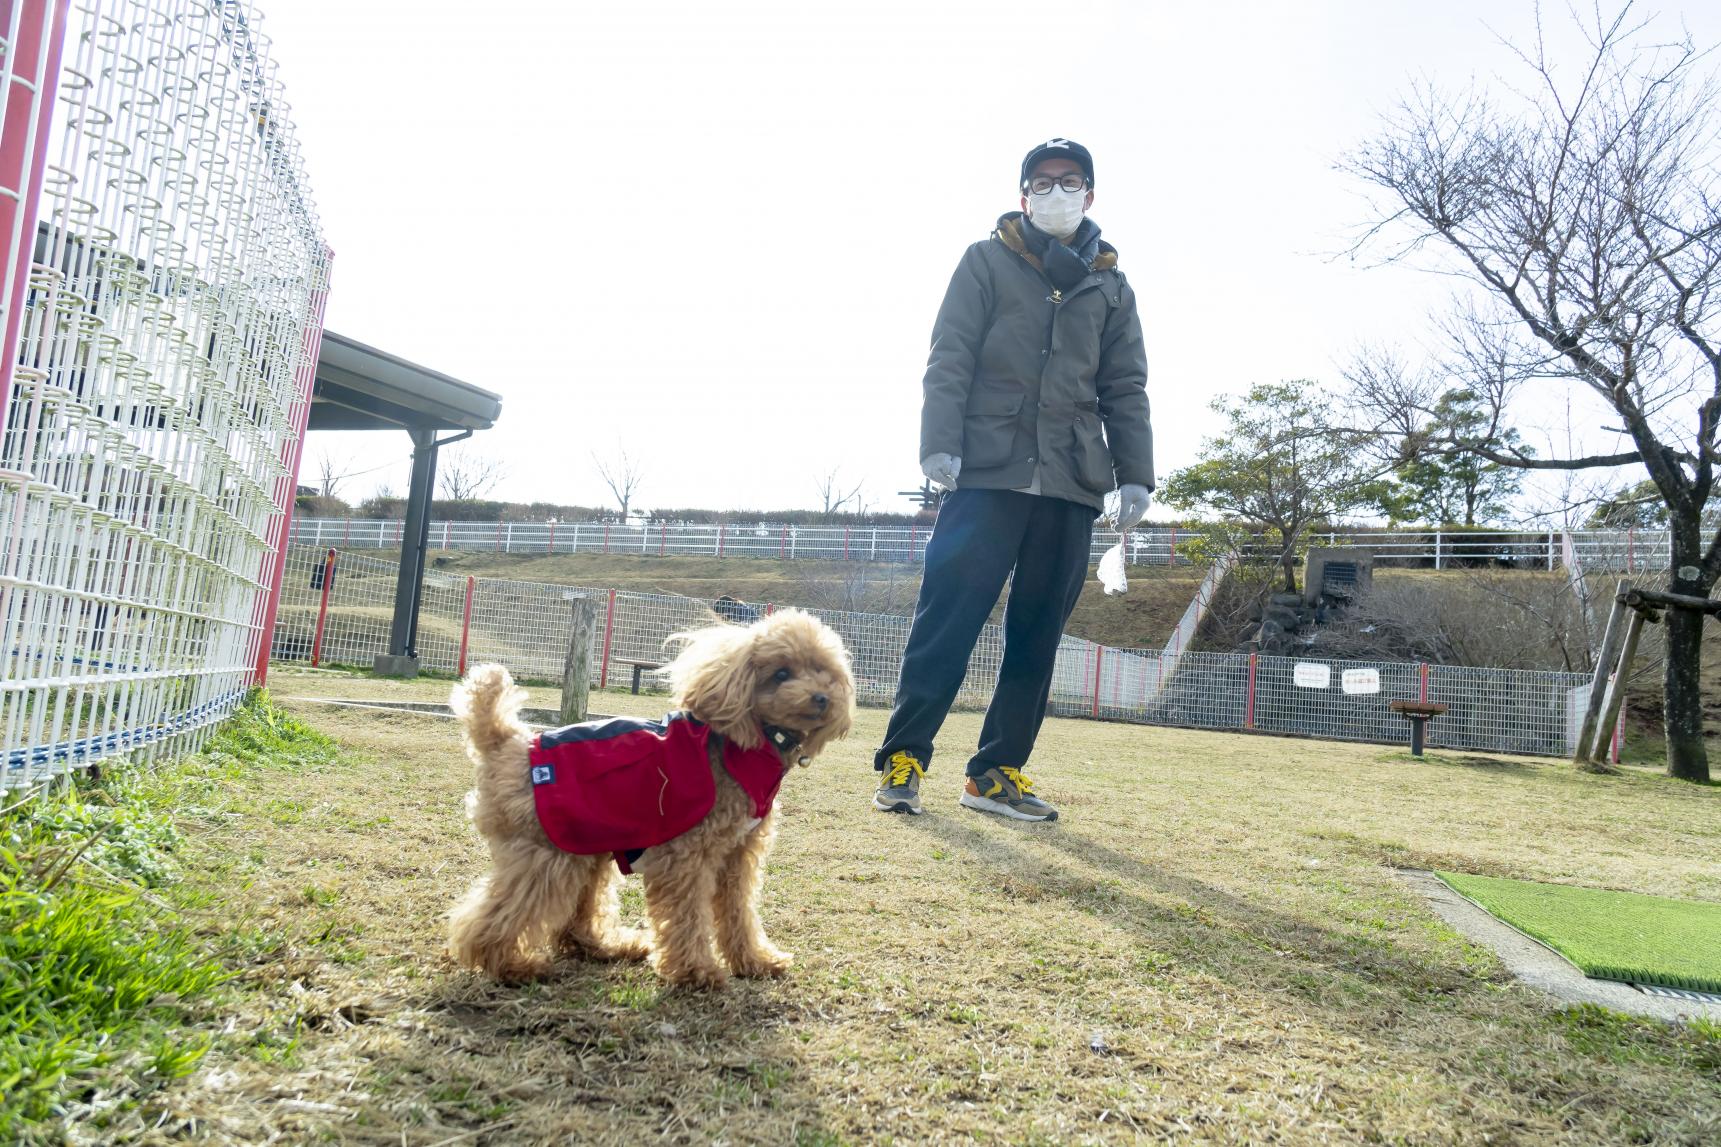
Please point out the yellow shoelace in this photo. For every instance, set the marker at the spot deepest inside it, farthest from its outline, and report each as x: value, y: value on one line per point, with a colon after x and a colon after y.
x: 900, y: 765
x: 1022, y: 783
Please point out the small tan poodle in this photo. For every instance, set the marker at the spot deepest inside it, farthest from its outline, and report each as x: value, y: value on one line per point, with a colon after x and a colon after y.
x: 687, y: 802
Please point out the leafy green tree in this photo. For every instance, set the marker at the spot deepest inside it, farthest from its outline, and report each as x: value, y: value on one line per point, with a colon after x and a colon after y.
x: 1638, y: 506
x: 1455, y: 487
x: 1281, y: 467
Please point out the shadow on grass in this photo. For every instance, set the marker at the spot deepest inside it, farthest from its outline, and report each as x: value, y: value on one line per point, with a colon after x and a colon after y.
x: 601, y: 1052
x: 1216, y: 932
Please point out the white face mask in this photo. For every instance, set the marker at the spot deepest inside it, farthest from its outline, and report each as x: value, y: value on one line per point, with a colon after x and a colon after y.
x: 1058, y: 212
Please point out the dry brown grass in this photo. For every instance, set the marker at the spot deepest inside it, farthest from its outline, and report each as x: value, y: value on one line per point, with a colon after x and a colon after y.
x: 1209, y: 946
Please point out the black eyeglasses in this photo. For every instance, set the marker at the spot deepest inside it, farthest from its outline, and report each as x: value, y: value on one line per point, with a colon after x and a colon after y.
x: 1043, y: 184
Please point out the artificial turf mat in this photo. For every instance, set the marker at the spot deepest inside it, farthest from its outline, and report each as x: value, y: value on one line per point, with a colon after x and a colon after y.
x: 1609, y: 935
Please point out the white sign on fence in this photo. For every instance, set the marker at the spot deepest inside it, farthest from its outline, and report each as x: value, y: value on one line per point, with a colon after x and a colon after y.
x: 1361, y: 680
x: 1312, y: 675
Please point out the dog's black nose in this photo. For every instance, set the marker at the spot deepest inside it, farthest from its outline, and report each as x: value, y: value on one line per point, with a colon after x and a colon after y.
x: 821, y: 700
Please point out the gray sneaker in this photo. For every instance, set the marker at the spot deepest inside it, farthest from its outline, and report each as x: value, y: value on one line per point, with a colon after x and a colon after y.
x: 900, y: 791
x: 1008, y: 793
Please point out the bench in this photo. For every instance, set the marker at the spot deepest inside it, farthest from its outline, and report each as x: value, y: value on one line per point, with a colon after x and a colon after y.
x: 640, y: 667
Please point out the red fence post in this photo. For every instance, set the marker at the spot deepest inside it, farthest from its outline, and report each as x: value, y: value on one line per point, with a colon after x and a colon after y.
x: 606, y: 537
x: 720, y: 528
x: 466, y: 622
x: 783, y: 545
x: 770, y: 608
x: 1099, y: 651
x: 347, y: 532
x: 1618, y: 736
x: 323, y: 608
x: 1423, y: 673
x: 1171, y: 552
x: 1249, y: 704
x: 609, y: 631
x: 552, y: 546
x: 662, y: 538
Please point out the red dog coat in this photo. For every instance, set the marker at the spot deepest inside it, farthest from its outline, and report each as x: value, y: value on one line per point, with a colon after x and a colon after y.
x: 625, y: 785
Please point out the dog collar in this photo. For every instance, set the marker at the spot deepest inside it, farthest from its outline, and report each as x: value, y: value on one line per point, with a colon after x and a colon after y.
x: 785, y: 741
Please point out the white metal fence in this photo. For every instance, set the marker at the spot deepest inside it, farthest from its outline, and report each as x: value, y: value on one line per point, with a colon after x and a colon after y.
x: 1627, y: 551
x: 161, y: 384
x: 526, y: 625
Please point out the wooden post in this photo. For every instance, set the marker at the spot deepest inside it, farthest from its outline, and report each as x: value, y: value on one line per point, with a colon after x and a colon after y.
x: 577, y: 669
x: 1612, y: 636
x: 1616, y: 688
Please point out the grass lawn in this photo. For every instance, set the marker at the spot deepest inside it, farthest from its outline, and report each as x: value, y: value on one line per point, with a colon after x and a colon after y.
x: 1210, y: 945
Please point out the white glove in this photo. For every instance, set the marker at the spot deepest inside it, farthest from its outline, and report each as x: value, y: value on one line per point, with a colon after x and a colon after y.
x: 1131, y: 505
x: 941, y: 469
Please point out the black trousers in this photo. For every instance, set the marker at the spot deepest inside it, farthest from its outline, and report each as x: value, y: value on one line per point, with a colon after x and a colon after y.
x: 983, y: 538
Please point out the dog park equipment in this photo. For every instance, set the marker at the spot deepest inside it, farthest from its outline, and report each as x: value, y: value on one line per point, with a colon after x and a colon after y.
x: 1418, y: 713
x: 1618, y: 651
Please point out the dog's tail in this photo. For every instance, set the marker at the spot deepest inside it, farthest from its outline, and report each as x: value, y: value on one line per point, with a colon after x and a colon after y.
x: 488, y: 704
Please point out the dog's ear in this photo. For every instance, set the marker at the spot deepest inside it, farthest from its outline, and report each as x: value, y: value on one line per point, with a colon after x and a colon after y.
x: 714, y: 679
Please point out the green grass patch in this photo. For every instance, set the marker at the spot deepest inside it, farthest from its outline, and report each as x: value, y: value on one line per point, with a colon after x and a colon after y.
x: 1609, y: 935
x: 103, y: 983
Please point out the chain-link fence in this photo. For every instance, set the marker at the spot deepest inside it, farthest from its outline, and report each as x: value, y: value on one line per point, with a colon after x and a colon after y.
x: 527, y: 625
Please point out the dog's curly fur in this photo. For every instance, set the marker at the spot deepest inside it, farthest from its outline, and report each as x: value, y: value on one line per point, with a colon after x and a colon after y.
x: 702, y: 888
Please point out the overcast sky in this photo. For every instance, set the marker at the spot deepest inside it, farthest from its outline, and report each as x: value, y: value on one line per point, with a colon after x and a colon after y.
x: 717, y: 234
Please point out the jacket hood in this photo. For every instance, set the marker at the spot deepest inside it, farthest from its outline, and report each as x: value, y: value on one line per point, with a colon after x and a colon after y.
x: 1009, y: 233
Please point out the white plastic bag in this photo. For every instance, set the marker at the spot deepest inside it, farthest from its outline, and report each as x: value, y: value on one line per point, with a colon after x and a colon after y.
x: 1112, y: 575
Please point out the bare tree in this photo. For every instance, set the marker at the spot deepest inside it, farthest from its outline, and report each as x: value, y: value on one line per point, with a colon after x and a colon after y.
x: 623, y: 474
x: 836, y: 493
x: 463, y: 475
x: 1584, y: 211
x: 331, y: 473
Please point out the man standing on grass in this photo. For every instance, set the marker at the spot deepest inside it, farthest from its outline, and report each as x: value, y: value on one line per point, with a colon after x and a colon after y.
x: 1036, y: 350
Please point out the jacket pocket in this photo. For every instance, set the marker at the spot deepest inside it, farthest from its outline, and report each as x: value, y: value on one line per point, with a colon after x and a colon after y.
x: 1093, y: 460
x: 989, y: 427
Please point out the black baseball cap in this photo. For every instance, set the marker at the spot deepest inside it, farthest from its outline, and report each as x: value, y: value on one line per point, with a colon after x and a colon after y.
x: 1059, y: 149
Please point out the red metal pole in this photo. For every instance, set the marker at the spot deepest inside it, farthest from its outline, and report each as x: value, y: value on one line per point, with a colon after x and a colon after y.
x: 609, y: 631
x: 1099, y: 651
x: 770, y: 608
x: 29, y: 110
x: 466, y: 621
x: 1249, y: 705
x: 1618, y: 735
x: 1424, y: 675
x: 323, y: 609
x: 1171, y: 554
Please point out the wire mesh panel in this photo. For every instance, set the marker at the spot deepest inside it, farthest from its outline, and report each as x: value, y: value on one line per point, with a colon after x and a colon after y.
x: 527, y: 626
x: 161, y: 386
